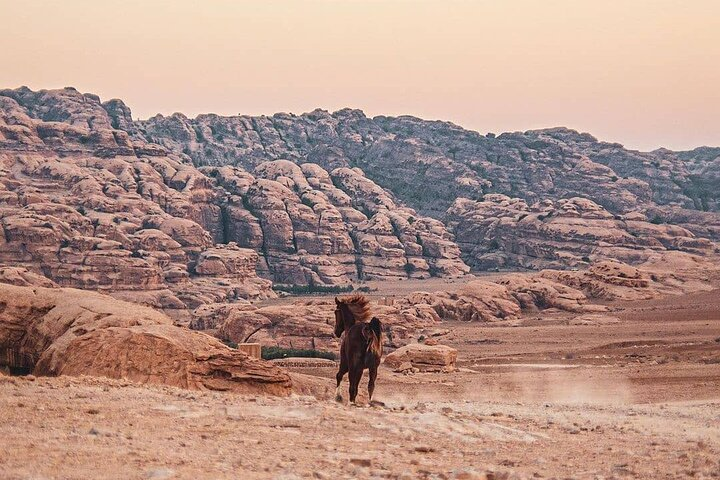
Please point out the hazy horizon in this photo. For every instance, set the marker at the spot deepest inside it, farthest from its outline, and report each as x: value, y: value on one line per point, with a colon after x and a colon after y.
x: 642, y: 74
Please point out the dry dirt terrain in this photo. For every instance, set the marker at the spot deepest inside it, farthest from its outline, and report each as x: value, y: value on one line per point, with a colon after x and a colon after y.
x: 540, y: 399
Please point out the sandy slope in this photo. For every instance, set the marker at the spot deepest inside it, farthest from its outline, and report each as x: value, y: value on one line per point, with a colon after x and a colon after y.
x: 639, y: 398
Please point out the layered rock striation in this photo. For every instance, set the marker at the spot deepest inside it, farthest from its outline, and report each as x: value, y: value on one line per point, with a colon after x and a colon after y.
x: 428, y: 164
x: 91, y: 198
x: 501, y: 232
x: 62, y: 331
x: 87, y: 202
x: 432, y: 165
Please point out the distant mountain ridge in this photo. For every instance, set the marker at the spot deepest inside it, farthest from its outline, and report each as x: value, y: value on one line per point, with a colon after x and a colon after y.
x: 446, y: 159
x: 184, y: 207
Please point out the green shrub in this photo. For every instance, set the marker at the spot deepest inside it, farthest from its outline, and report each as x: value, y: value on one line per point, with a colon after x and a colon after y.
x: 657, y: 220
x: 271, y: 353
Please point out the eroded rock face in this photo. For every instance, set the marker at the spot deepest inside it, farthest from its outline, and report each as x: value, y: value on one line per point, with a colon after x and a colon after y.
x: 87, y: 201
x: 428, y: 164
x: 85, y: 206
x: 149, y: 211
x: 426, y: 358
x: 318, y: 227
x: 22, y: 277
x: 566, y: 191
x: 500, y: 232
x: 73, y: 332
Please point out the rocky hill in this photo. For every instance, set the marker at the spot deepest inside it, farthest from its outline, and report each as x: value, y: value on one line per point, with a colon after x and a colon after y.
x: 446, y: 172
x: 177, y: 212
x: 428, y: 164
x: 90, y: 205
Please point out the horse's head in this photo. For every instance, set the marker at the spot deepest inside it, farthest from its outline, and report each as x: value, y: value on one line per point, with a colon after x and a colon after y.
x: 349, y: 310
x: 339, y: 318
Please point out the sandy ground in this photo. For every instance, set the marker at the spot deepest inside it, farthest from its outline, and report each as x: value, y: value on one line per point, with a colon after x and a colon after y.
x: 540, y: 399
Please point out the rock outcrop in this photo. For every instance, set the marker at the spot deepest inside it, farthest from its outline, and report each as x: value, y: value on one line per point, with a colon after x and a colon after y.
x: 62, y: 331
x: 504, y: 232
x: 505, y: 298
x: 567, y: 191
x: 85, y: 206
x: 318, y: 227
x: 87, y: 201
x: 428, y: 164
x: 425, y: 358
x: 177, y: 213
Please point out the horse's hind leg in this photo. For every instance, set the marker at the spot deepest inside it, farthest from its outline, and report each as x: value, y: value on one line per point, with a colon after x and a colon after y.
x: 372, y: 372
x: 340, y: 374
x: 355, y: 376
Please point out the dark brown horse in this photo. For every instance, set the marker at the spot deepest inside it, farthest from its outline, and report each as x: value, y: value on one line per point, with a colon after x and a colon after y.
x: 361, y: 345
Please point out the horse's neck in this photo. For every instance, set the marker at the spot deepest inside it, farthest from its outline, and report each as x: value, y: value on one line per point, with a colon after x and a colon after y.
x: 348, y: 319
x: 349, y: 323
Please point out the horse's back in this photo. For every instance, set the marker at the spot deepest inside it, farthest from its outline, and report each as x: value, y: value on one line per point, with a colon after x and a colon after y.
x: 355, y: 343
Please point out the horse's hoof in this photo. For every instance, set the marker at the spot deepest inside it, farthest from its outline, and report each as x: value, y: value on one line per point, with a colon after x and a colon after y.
x: 338, y: 398
x: 377, y: 403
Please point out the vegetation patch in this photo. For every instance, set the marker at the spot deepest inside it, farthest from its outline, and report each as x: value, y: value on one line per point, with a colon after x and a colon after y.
x: 657, y: 220
x: 271, y: 353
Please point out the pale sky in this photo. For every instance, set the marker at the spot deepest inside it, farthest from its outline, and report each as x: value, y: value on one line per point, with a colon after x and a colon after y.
x: 640, y: 72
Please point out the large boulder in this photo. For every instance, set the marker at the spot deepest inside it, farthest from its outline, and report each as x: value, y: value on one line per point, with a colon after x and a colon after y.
x: 426, y: 358
x: 73, y: 332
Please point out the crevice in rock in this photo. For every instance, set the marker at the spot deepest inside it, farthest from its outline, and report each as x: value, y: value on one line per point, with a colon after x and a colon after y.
x: 224, y: 223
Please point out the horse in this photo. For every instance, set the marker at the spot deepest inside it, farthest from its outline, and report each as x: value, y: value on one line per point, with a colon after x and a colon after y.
x: 361, y: 346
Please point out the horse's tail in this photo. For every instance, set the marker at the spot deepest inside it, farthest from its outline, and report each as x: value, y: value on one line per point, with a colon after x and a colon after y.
x: 374, y: 336
x: 376, y: 326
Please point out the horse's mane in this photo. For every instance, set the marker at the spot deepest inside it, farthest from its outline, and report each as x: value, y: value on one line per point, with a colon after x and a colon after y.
x: 358, y: 305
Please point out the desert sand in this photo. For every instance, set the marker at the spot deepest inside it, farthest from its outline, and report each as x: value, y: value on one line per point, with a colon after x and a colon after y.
x: 632, y: 394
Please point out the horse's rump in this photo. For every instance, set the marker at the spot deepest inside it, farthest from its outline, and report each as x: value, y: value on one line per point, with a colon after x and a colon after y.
x: 372, y: 331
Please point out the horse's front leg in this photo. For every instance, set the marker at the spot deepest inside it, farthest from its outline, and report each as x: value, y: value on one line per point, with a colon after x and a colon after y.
x: 340, y: 374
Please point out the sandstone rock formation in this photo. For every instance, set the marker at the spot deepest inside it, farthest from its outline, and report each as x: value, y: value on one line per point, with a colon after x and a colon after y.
x: 87, y: 201
x: 426, y: 358
x: 182, y: 213
x: 428, y: 164
x: 567, y: 191
x: 62, y: 331
x: 309, y: 323
x: 500, y: 231
x: 318, y: 227
x: 22, y: 277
